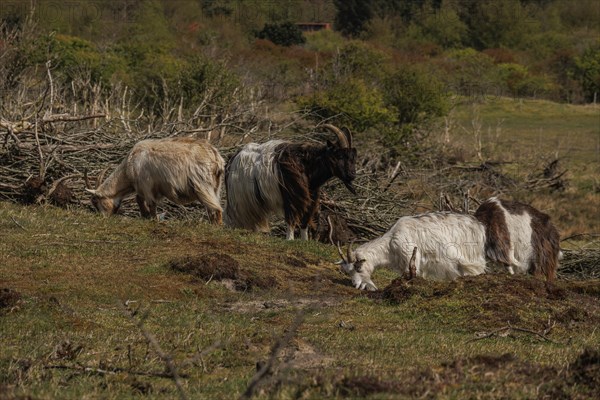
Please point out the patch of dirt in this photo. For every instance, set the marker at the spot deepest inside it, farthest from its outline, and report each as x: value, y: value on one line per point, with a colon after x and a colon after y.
x: 498, y: 299
x: 210, y: 266
x: 293, y: 261
x: 300, y: 354
x: 262, y: 305
x: 400, y: 290
x: 9, y: 300
x: 222, y: 267
x: 249, y: 280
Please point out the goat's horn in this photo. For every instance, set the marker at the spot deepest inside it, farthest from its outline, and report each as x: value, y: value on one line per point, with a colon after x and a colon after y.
x: 348, y: 136
x: 101, y: 177
x: 349, y: 252
x: 340, y: 252
x: 340, y: 135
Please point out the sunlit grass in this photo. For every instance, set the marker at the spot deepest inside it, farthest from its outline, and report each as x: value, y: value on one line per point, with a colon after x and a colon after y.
x: 75, y: 270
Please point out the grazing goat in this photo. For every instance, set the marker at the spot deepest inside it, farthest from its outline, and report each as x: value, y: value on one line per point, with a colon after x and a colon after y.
x: 440, y: 245
x: 285, y: 178
x: 181, y: 169
x: 520, y: 237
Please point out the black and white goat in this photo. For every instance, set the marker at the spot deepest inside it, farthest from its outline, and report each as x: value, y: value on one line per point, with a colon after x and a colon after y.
x: 520, y: 237
x: 181, y: 169
x: 448, y: 245
x: 285, y: 178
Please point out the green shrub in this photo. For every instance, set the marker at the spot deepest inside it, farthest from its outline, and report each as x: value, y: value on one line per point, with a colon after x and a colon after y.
x: 415, y: 95
x: 74, y: 56
x: 324, y: 40
x: 352, y: 103
x: 358, y: 59
x: 204, y: 80
x: 471, y: 73
x: 170, y: 80
x: 587, y: 72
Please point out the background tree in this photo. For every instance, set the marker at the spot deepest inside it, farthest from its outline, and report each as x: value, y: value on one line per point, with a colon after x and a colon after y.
x: 352, y: 15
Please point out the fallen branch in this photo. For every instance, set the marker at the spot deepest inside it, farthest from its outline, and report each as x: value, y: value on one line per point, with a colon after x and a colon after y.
x: 506, y: 329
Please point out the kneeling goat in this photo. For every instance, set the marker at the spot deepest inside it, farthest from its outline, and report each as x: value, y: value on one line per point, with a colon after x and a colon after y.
x: 285, y: 178
x: 520, y: 237
x: 181, y: 169
x: 442, y: 246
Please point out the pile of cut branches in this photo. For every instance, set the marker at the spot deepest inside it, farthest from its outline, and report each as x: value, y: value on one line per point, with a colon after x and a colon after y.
x: 580, y: 264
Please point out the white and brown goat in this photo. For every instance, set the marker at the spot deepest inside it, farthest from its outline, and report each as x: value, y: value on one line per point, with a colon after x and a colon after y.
x: 285, y: 178
x: 520, y: 237
x: 182, y: 169
x: 445, y: 245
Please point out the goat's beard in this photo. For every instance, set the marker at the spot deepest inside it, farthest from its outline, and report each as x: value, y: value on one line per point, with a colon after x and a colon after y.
x: 350, y: 187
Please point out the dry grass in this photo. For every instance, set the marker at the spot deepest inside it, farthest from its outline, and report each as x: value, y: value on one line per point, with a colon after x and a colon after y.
x: 64, y: 333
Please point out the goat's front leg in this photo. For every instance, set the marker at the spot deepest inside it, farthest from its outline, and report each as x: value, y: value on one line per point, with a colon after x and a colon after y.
x: 289, y: 234
x: 144, y: 209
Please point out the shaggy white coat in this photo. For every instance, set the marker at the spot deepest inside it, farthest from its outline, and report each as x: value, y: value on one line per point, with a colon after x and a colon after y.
x: 180, y: 169
x: 448, y: 245
x: 253, y: 192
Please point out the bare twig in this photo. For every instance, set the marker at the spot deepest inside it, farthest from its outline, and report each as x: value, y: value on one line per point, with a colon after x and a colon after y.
x: 507, y: 329
x: 69, y: 118
x: 17, y: 223
x: 164, y: 356
x: 267, y: 367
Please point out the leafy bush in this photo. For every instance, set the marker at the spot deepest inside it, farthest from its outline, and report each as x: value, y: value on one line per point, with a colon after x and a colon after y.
x: 352, y: 103
x: 285, y: 34
x: 470, y: 72
x: 324, y: 40
x: 74, y: 55
x: 415, y: 95
x: 169, y: 80
x: 358, y: 59
x: 587, y: 71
